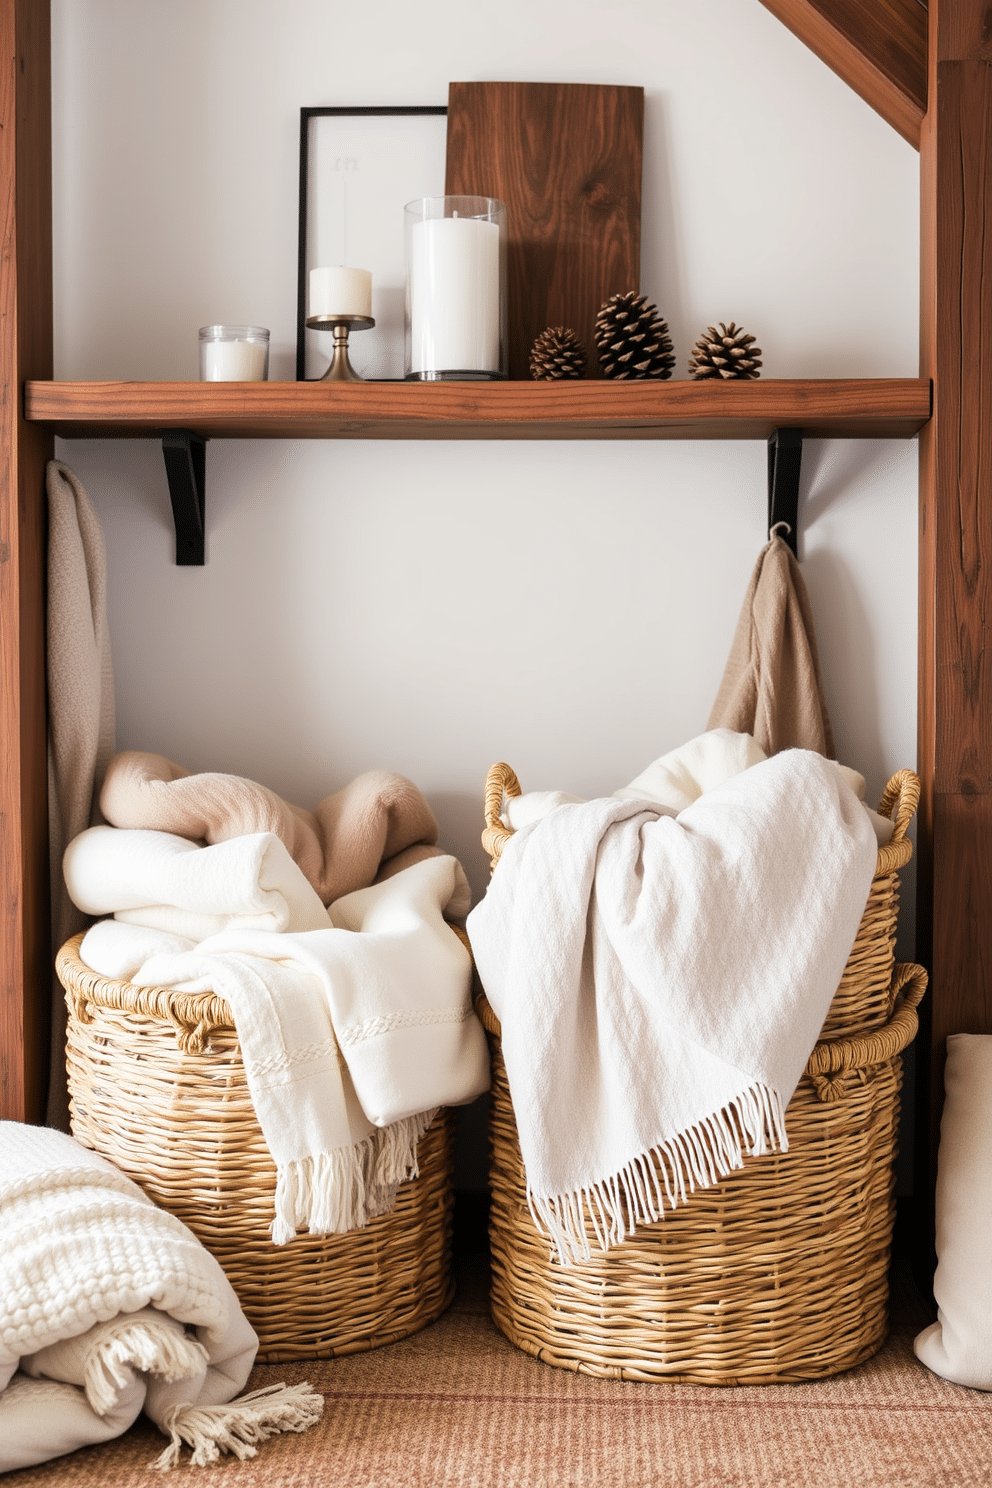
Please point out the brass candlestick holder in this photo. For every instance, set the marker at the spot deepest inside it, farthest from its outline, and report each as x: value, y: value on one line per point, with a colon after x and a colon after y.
x: 340, y: 369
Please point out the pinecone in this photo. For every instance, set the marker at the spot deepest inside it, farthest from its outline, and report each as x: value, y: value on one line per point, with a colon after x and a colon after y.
x: 632, y: 339
x: 556, y: 353
x: 728, y: 352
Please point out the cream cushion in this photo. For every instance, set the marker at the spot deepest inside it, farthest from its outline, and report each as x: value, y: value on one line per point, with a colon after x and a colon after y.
x: 959, y: 1344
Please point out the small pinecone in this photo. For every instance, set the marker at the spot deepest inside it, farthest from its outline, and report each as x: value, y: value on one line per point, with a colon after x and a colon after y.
x: 728, y: 352
x: 556, y: 353
x: 632, y: 339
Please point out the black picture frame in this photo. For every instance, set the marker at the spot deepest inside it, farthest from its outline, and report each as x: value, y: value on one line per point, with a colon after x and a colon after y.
x: 307, y: 116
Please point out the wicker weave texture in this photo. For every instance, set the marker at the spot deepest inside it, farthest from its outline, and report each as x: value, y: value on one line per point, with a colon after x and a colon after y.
x: 778, y: 1273
x: 157, y: 1085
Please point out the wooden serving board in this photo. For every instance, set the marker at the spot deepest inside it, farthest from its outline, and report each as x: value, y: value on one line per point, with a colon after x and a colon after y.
x: 566, y: 160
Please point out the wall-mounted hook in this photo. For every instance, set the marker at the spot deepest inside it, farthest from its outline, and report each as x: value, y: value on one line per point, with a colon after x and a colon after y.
x: 185, y: 466
x: 785, y: 458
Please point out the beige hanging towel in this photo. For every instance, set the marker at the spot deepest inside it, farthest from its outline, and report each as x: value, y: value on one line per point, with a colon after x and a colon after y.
x: 80, y: 713
x: 771, y: 686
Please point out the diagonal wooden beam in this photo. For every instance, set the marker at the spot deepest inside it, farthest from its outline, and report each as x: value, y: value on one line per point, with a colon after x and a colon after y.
x: 878, y: 48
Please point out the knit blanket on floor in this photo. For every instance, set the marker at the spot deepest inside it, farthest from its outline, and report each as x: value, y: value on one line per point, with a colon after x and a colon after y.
x: 355, y: 1022
x: 661, y: 981
x: 378, y: 824
x: 110, y: 1306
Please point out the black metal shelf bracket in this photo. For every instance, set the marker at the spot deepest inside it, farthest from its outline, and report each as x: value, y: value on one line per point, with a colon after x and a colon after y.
x: 785, y: 458
x: 185, y: 467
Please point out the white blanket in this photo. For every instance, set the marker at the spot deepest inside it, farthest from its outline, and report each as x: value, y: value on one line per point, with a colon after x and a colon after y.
x: 661, y: 981
x: 110, y: 1306
x: 680, y: 777
x: 169, y: 883
x: 352, y: 1036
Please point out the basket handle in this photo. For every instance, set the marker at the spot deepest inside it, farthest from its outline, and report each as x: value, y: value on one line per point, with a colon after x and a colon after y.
x: 901, y: 795
x: 831, y: 1061
x: 500, y: 781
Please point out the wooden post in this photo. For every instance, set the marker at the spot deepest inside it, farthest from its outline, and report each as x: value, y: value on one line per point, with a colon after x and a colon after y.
x: 26, y: 351
x: 955, y: 627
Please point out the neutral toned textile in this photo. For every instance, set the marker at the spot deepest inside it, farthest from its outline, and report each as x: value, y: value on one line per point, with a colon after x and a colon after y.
x: 661, y: 981
x: 684, y: 774
x: 457, y: 1406
x: 771, y: 686
x: 959, y: 1344
x: 680, y: 777
x: 168, y: 883
x: 97, y: 1290
x: 80, y: 710
x: 352, y: 1036
x: 378, y: 824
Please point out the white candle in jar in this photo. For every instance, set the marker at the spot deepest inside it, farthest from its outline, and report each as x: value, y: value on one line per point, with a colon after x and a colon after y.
x: 233, y: 361
x: 454, y: 295
x: 340, y: 291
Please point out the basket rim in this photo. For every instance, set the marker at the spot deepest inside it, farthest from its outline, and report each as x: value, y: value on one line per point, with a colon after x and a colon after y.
x: 194, y: 1014
x: 899, y: 802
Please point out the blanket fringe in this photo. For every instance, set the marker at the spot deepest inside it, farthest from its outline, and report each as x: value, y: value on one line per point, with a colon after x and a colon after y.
x: 343, y: 1189
x: 239, y: 1427
x: 158, y: 1347
x: 752, y: 1125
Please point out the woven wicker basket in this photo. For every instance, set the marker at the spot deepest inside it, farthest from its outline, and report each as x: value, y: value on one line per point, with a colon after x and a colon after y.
x: 779, y: 1272
x: 157, y: 1084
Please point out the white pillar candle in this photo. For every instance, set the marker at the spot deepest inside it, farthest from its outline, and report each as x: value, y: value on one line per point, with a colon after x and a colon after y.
x: 233, y: 361
x: 454, y: 295
x: 339, y: 291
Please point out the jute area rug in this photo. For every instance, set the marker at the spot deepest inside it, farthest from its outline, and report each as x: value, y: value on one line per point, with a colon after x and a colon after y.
x: 458, y: 1407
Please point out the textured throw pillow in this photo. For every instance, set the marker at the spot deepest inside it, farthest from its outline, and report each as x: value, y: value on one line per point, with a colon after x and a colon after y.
x: 959, y: 1345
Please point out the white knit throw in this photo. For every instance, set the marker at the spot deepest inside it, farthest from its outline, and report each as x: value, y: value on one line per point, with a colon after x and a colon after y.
x: 661, y: 981
x: 110, y: 1306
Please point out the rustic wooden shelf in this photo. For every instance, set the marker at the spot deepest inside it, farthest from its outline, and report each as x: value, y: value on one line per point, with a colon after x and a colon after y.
x: 843, y: 408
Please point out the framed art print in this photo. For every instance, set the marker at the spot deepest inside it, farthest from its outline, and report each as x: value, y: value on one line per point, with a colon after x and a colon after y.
x: 358, y: 169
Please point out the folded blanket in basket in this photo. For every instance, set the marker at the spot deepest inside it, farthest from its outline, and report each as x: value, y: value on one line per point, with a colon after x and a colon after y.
x: 168, y: 883
x: 109, y: 1306
x: 352, y: 1036
x: 661, y: 981
x: 377, y: 825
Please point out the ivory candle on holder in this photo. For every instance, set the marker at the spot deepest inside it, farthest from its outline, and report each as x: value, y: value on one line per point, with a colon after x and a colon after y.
x: 234, y: 353
x: 340, y: 291
x: 455, y: 279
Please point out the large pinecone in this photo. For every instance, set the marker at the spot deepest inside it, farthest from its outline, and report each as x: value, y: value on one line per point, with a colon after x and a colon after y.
x: 556, y: 353
x: 632, y: 339
x: 729, y: 352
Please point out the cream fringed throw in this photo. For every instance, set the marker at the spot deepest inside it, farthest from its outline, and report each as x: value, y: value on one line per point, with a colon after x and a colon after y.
x: 771, y: 686
x: 110, y: 1306
x: 355, y: 1022
x: 378, y: 824
x: 661, y: 981
x: 80, y: 710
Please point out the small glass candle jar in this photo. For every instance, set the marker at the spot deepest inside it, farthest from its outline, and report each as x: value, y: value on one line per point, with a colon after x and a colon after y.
x: 455, y: 288
x: 234, y: 353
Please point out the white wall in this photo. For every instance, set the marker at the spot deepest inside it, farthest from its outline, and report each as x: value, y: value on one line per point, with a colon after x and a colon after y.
x: 432, y: 608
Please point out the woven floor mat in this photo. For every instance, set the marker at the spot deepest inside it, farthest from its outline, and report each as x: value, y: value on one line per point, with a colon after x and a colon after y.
x: 458, y: 1407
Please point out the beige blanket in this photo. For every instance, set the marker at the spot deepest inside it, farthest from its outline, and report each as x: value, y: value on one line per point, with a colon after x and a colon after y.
x: 373, y: 828
x: 771, y: 687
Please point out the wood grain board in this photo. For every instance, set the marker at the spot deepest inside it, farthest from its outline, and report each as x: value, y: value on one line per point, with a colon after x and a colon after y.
x: 566, y: 160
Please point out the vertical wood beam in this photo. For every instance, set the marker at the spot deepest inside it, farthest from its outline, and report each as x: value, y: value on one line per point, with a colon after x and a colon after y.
x: 25, y: 351
x: 955, y: 622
